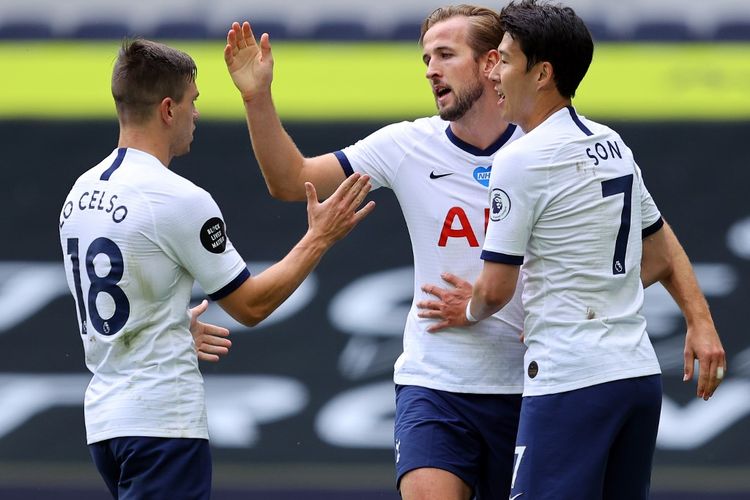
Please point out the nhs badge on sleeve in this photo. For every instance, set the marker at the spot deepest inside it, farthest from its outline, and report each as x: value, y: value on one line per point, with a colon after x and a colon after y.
x: 499, y: 204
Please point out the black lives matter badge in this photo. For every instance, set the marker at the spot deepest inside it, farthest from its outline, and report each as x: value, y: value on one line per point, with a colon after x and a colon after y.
x: 214, y: 235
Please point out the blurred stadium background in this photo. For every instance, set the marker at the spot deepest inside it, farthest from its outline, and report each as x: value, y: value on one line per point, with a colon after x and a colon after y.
x: 303, y: 406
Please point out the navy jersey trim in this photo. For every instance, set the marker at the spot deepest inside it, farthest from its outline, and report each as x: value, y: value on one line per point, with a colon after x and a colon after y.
x: 502, y: 258
x: 580, y: 124
x: 232, y: 286
x: 648, y: 231
x: 491, y: 150
x: 115, y: 165
x: 345, y: 164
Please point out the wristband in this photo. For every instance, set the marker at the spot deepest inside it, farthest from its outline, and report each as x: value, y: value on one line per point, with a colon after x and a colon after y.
x: 469, y: 317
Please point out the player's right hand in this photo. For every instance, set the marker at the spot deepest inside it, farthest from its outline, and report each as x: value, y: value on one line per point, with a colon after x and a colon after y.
x: 250, y: 65
x: 337, y: 215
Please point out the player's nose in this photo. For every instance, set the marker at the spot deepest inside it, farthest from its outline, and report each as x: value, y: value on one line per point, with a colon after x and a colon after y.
x: 495, y: 72
x: 432, y: 71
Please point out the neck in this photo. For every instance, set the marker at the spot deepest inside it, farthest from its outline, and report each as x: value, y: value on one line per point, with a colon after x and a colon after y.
x: 543, y: 109
x: 482, y: 125
x: 147, y: 140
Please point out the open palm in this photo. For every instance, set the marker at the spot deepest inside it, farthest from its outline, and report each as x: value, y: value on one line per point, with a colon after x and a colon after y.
x: 249, y: 64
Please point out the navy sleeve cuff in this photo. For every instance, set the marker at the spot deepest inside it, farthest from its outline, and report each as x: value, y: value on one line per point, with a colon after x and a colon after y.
x: 348, y: 170
x: 502, y: 258
x: 648, y: 231
x: 231, y: 286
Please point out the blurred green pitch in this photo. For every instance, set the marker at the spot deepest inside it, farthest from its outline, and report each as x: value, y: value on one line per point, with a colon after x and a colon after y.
x: 378, y: 81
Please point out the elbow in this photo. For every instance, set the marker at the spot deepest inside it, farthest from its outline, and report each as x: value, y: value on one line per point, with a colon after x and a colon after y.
x: 278, y: 192
x: 249, y: 321
x: 666, y: 268
x: 657, y: 269
x: 283, y: 193
x: 252, y: 316
x: 249, y: 305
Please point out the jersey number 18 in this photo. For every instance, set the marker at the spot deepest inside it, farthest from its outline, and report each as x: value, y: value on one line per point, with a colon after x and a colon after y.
x: 100, y: 284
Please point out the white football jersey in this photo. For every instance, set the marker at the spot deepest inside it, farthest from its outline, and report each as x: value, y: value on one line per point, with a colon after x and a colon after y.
x: 134, y: 237
x: 441, y: 184
x: 568, y: 201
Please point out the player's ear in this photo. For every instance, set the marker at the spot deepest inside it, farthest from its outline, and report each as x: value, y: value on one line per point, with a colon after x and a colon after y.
x: 492, y: 58
x: 166, y: 109
x: 545, y: 74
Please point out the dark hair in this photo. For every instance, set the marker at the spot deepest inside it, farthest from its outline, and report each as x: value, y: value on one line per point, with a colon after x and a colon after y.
x: 551, y: 33
x: 145, y: 73
x: 485, y: 33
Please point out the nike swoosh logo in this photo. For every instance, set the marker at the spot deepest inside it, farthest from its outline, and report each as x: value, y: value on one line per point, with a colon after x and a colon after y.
x: 433, y: 175
x: 515, y: 496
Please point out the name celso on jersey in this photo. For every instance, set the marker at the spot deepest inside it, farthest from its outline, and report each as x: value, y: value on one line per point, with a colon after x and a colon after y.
x: 95, y: 200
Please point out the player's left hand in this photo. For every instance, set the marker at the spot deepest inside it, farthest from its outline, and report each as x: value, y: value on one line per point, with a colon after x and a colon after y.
x: 332, y: 219
x: 211, y: 341
x: 702, y: 343
x: 450, y: 308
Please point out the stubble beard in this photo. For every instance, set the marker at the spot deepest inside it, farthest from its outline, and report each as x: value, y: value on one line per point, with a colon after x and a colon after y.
x: 464, y: 101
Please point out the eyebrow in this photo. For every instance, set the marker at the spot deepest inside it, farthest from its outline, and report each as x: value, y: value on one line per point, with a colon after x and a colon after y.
x: 440, y: 48
x: 443, y: 48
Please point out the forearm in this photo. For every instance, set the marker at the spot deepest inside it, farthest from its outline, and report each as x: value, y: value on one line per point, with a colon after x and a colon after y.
x: 478, y: 308
x: 279, y: 158
x: 682, y: 285
x: 265, y: 292
x: 702, y: 341
x: 493, y: 290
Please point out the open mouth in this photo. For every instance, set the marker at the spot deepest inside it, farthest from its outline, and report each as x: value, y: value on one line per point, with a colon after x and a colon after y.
x: 441, y: 91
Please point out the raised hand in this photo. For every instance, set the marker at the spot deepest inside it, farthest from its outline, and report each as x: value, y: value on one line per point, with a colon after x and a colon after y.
x: 336, y: 216
x: 249, y: 64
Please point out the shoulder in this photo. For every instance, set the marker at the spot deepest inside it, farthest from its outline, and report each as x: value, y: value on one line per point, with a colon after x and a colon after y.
x: 414, y: 130
x: 167, y: 193
x: 184, y: 192
x: 521, y: 150
x: 598, y: 140
x: 398, y: 140
x: 180, y: 209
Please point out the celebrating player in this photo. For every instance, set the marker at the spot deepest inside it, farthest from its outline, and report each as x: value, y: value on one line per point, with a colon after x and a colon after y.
x: 457, y: 393
x: 569, y: 203
x: 135, y: 236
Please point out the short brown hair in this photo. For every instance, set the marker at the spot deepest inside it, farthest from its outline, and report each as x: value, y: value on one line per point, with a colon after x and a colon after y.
x: 145, y: 73
x: 485, y: 33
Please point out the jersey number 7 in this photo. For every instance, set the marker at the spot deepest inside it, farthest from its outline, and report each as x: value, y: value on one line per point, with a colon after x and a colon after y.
x: 612, y: 187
